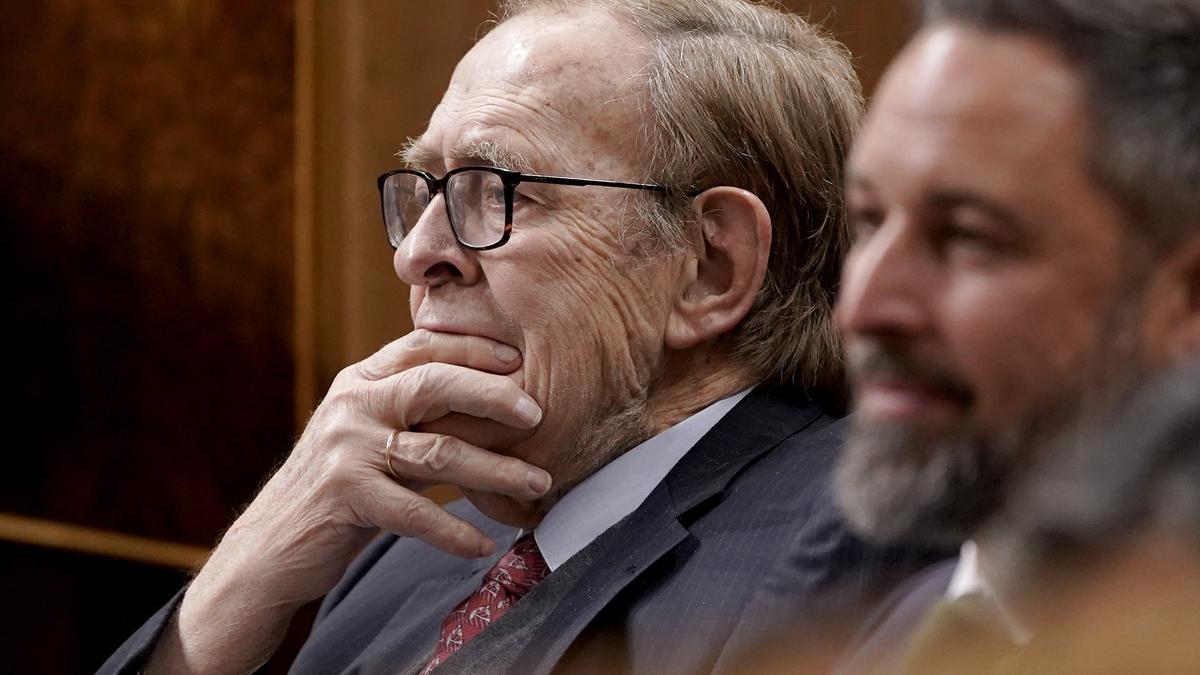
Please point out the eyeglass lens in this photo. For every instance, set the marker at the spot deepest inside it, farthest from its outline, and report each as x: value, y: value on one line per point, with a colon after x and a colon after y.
x: 475, y: 204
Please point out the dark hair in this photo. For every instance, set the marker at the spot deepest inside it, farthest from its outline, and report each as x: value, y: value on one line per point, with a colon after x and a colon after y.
x: 1140, y: 65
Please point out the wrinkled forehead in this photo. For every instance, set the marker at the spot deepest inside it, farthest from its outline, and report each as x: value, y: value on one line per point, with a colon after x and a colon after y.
x: 541, y: 86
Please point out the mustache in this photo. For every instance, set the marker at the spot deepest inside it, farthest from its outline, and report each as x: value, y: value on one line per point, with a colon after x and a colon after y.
x: 880, y: 360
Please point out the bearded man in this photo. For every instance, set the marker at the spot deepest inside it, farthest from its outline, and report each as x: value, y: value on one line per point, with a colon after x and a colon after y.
x: 1028, y: 248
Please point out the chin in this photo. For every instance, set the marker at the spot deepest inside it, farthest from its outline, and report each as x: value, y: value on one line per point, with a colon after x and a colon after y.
x: 896, y: 485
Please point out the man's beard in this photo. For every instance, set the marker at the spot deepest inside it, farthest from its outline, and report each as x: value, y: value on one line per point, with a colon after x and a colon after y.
x: 896, y: 482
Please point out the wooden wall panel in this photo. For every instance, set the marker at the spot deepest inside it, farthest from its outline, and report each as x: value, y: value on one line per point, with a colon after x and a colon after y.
x: 146, y: 161
x: 873, y: 30
x: 377, y: 69
x: 146, y: 202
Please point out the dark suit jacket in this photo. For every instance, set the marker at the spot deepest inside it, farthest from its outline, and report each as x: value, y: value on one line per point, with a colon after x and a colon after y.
x: 659, y: 592
x: 882, y: 640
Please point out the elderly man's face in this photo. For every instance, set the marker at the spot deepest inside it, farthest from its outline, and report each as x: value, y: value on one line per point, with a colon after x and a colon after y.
x: 989, y: 292
x: 559, y: 95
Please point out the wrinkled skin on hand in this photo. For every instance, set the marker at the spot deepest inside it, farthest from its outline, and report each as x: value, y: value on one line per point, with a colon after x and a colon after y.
x: 335, y: 491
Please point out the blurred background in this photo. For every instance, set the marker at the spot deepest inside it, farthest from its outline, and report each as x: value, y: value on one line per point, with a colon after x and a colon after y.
x: 193, y: 251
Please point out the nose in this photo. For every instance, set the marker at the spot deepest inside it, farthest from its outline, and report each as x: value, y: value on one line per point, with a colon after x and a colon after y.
x: 887, y: 285
x: 429, y: 255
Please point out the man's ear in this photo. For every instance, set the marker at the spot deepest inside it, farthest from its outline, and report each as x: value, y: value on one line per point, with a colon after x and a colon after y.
x: 1178, y: 302
x: 720, y: 284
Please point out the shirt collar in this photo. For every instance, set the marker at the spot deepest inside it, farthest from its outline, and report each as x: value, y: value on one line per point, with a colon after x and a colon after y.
x: 619, y: 487
x: 969, y: 579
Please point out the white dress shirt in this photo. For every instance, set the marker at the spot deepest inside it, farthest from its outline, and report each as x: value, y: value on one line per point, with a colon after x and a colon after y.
x: 618, y: 488
x: 969, y: 578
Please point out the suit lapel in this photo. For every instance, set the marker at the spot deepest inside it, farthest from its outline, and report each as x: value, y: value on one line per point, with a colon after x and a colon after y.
x: 759, y: 423
x: 608, y: 565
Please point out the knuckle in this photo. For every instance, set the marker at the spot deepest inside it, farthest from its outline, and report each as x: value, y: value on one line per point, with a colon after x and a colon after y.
x: 429, y: 455
x: 342, y: 400
x: 416, y: 518
x: 501, y: 394
x: 438, y: 454
x: 507, y: 389
x: 405, y: 395
x: 364, y: 370
x: 493, y: 409
x: 418, y: 339
x: 415, y: 382
x: 337, y: 437
x: 350, y: 373
x: 405, y: 453
x: 337, y: 470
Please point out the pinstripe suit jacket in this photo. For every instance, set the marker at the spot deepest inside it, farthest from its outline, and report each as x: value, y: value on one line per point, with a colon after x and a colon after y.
x: 662, y: 591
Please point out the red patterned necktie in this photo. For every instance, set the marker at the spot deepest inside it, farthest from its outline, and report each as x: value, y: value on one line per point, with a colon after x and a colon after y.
x: 516, y: 572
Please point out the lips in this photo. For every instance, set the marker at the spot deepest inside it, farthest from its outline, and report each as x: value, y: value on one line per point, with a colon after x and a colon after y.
x: 462, y: 316
x: 892, y: 384
x: 463, y: 330
x: 907, y: 401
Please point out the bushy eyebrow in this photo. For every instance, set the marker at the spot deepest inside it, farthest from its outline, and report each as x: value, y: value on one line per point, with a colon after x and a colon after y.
x: 484, y: 151
x: 415, y: 155
x: 493, y: 154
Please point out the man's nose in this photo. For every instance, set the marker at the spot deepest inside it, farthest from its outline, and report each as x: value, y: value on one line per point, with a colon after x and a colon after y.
x: 429, y: 255
x: 886, y: 285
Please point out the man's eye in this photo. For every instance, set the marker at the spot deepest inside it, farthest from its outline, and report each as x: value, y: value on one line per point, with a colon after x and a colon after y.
x: 864, y: 222
x: 494, y: 197
x: 518, y: 197
x: 965, y: 235
x: 970, y: 241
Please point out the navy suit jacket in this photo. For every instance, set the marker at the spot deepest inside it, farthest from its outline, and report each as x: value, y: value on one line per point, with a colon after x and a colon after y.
x: 662, y: 591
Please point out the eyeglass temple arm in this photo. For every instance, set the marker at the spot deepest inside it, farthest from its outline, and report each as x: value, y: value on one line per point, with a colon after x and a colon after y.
x: 563, y: 180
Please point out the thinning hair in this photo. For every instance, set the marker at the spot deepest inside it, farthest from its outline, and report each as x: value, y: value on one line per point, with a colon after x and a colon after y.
x: 745, y: 95
x: 1140, y: 66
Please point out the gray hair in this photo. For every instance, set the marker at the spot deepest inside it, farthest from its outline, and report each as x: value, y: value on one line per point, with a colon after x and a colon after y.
x: 1140, y: 65
x: 746, y: 95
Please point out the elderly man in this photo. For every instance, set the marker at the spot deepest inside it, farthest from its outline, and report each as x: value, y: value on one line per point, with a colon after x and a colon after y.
x: 1028, y: 246
x: 622, y: 230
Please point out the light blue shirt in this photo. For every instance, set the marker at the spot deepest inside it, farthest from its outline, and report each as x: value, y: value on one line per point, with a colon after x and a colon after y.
x: 621, y: 486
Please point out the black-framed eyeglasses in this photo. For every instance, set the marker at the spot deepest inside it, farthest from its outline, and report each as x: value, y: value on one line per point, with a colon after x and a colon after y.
x: 479, y: 201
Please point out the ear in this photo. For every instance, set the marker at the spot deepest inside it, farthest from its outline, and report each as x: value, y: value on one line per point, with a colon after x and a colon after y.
x: 1177, y: 302
x: 720, y: 284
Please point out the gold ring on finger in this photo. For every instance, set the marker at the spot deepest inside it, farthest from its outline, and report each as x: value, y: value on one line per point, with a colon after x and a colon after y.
x: 387, y: 453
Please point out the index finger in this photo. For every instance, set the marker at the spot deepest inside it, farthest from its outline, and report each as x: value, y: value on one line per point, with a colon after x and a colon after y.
x: 424, y: 346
